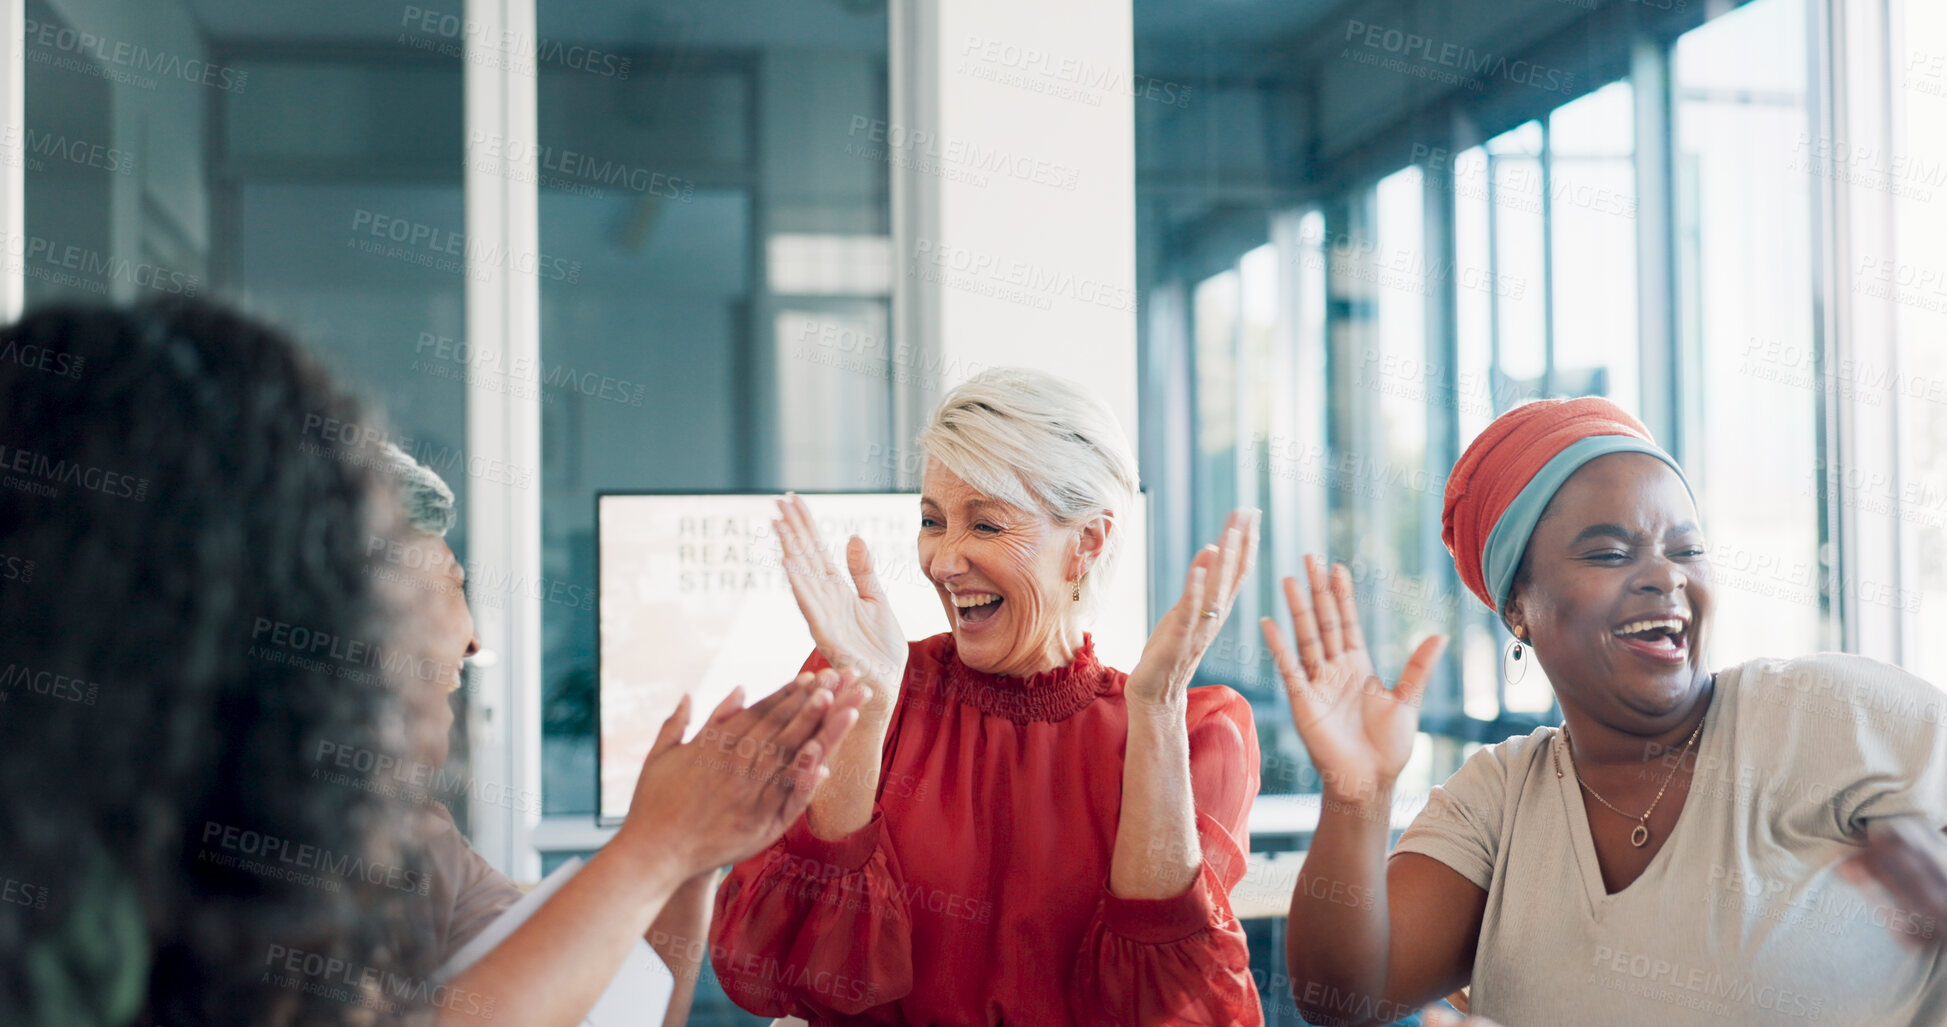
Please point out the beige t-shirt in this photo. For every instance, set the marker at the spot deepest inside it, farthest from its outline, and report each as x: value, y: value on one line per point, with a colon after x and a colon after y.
x: 465, y: 893
x: 1741, y: 918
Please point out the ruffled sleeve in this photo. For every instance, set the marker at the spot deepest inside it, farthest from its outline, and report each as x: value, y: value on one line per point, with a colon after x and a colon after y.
x: 813, y: 927
x: 1182, y: 960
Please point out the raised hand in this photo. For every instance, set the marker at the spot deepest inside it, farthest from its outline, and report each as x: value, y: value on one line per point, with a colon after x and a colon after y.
x: 746, y: 776
x: 1174, y: 649
x: 1359, y: 734
x: 1904, y: 865
x: 850, y: 618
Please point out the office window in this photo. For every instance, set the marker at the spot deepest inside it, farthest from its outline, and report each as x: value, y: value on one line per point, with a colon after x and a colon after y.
x: 304, y: 164
x: 1215, y: 311
x: 1232, y: 317
x: 301, y: 161
x: 1261, y: 274
x: 1746, y: 324
x: 1532, y: 284
x: 1381, y: 493
x: 1383, y: 392
x: 714, y: 199
x: 714, y: 192
x: 1518, y: 214
x: 1544, y: 305
x: 1479, y: 298
x: 1592, y: 245
x: 1538, y: 288
x: 1245, y: 364
x: 1919, y: 73
x: 1920, y: 76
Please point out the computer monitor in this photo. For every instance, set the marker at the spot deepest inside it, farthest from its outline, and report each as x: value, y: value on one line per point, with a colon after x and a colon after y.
x: 692, y: 598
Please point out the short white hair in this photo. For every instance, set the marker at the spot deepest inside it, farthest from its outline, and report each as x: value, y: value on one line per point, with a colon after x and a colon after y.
x: 1040, y: 442
x: 424, y: 495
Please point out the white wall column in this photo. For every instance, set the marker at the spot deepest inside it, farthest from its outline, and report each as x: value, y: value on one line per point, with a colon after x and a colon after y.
x: 1012, y: 141
x: 503, y: 314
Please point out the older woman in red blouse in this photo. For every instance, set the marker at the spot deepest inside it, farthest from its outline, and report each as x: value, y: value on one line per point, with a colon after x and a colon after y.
x: 1013, y: 832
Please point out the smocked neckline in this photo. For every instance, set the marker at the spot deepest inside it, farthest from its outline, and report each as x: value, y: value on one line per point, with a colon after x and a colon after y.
x: 1047, y: 696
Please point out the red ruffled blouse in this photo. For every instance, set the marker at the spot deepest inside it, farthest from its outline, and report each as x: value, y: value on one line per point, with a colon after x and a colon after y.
x: 978, y: 893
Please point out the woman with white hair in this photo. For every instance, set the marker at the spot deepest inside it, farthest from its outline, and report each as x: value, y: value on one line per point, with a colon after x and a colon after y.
x: 727, y: 793
x: 1013, y: 832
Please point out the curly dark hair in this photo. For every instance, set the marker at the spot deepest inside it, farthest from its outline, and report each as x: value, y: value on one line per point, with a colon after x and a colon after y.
x: 175, y: 538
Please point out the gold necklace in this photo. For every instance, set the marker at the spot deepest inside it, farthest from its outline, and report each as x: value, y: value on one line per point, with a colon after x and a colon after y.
x: 1640, y: 835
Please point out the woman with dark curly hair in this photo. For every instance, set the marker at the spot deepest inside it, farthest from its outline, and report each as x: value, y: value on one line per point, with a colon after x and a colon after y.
x: 186, y: 622
x: 190, y: 544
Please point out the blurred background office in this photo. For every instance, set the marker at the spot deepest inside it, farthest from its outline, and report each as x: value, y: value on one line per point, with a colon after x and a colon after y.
x: 1307, y: 247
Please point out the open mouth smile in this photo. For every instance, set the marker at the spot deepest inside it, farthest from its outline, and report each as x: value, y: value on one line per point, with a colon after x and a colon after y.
x: 971, y: 609
x: 1662, y: 639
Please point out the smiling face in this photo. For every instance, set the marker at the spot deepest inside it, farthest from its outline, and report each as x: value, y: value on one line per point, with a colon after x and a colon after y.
x: 1004, y: 575
x: 437, y: 631
x: 1614, y: 592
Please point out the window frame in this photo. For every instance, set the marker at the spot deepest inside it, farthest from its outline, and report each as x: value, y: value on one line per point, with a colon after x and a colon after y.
x: 1839, y: 37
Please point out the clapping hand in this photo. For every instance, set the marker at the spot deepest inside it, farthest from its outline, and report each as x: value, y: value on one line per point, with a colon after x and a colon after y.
x: 1907, y: 862
x: 745, y: 777
x: 1170, y: 658
x: 851, y: 619
x: 1359, y: 734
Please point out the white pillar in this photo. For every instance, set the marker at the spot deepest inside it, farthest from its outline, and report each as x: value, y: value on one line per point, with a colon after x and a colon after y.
x: 503, y: 314
x: 1012, y: 139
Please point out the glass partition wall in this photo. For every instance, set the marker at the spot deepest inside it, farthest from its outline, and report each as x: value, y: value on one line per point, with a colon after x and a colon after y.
x: 1624, y: 202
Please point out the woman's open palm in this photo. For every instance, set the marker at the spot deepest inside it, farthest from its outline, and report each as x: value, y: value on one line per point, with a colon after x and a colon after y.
x: 1359, y: 734
x: 851, y: 619
x: 1176, y: 647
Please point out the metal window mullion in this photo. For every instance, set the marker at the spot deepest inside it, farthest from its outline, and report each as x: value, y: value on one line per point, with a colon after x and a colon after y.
x: 1243, y: 460
x: 1547, y: 162
x: 1826, y: 243
x: 1494, y: 372
x: 912, y: 85
x: 1653, y: 155
x: 13, y: 154
x: 1439, y: 240
x: 1857, y: 443
x: 1172, y: 373
x: 1494, y: 391
x: 1296, y: 515
x: 1862, y: 90
x: 1913, y: 626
